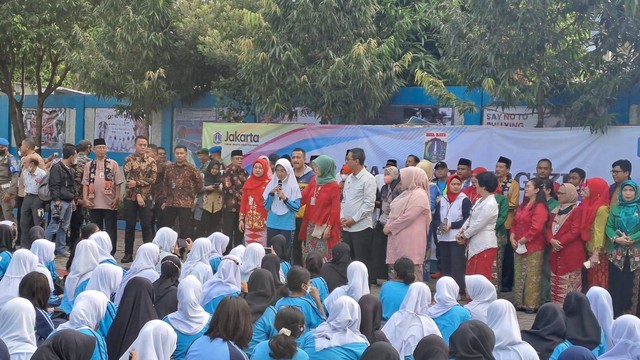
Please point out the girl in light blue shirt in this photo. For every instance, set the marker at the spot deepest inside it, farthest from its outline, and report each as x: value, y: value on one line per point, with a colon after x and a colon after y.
x: 289, y: 323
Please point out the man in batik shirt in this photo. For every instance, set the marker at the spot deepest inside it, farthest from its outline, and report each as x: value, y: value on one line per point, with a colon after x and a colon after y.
x: 233, y: 179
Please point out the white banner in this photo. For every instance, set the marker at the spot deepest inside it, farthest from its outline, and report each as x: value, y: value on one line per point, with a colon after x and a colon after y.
x: 118, y: 130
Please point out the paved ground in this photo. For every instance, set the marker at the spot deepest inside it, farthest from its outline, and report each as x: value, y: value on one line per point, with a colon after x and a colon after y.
x: 525, y: 320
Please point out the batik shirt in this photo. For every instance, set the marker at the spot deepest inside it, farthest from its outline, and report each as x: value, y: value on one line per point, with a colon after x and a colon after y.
x: 144, y: 171
x: 181, y: 183
x: 233, y: 179
x: 83, y: 159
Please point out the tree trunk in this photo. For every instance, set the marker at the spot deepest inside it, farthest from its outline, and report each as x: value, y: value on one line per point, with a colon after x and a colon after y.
x: 540, y: 108
x: 39, y: 111
x: 17, y: 124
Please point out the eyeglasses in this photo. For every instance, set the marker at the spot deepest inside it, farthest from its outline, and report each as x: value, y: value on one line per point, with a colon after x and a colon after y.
x: 561, y: 193
x: 615, y: 172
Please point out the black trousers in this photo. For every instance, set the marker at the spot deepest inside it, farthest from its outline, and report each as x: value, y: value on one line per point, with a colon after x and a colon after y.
x: 156, y: 216
x: 131, y: 213
x: 107, y: 220
x: 184, y: 217
x: 288, y: 236
x: 433, y: 230
x: 454, y: 261
x: 621, y: 289
x: 209, y: 223
x: 31, y: 211
x: 379, y: 254
x: 508, y: 267
x: 77, y: 220
x: 296, y: 246
x: 360, y: 244
x: 230, y: 223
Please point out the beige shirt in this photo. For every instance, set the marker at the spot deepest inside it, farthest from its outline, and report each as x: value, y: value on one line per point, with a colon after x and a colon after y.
x: 101, y: 200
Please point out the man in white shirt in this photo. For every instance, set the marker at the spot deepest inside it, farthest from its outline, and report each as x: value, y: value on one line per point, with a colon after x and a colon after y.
x: 358, y: 200
x: 31, y: 210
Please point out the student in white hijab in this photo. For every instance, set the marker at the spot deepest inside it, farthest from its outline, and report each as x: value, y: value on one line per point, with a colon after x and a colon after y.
x: 22, y: 263
x: 197, y: 263
x: 482, y: 294
x: 251, y: 260
x: 357, y: 284
x: 156, y: 341
x: 190, y: 321
x: 17, y: 327
x: 502, y: 319
x: 102, y: 239
x: 411, y: 322
x: 219, y: 242
x: 44, y: 250
x: 87, y: 313
x: 84, y: 262
x: 144, y: 266
x: 339, y: 334
x: 238, y: 252
x: 446, y: 312
x: 225, y: 282
x: 625, y: 333
x: 166, y: 239
x: 602, y: 307
x: 290, y: 188
x: 106, y: 278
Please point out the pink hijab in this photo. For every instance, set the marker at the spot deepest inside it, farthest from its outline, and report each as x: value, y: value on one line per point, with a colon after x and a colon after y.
x: 415, y: 184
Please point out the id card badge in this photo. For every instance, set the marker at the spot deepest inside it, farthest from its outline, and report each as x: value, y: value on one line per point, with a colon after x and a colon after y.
x: 313, y: 200
x: 101, y: 175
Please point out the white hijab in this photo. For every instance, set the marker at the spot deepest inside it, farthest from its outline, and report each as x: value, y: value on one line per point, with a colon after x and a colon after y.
x: 83, y: 264
x: 44, y: 250
x: 105, y: 247
x: 156, y: 341
x: 290, y: 188
x: 251, y: 260
x: 197, y: 263
x: 602, y: 307
x: 626, y: 339
x: 144, y: 266
x: 17, y: 327
x: 219, y: 242
x: 88, y: 310
x: 166, y: 239
x: 22, y: 263
x: 482, y: 294
x: 502, y: 319
x: 447, y: 291
x: 106, y: 278
x: 357, y: 284
x: 410, y: 323
x: 190, y: 318
x: 226, y: 281
x: 238, y: 252
x: 342, y: 326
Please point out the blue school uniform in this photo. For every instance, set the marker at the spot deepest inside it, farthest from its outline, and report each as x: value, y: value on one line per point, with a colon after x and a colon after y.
x: 285, y: 266
x: 100, y: 351
x: 392, y: 295
x: 352, y: 351
x: 211, y: 306
x: 51, y: 266
x: 312, y: 315
x: 110, y: 261
x: 286, y: 221
x: 262, y: 351
x: 66, y: 305
x: 184, y: 341
x: 44, y: 325
x: 449, y: 322
x: 263, y: 329
x: 323, y: 289
x: 205, y: 348
x: 597, y: 351
x: 107, y: 320
x: 215, y: 264
x: 5, y: 259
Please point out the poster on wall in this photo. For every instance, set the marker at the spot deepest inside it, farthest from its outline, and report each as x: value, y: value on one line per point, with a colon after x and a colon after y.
x: 54, y: 122
x: 435, y: 146
x: 187, y: 126
x: 428, y: 115
x: 118, y: 129
x: 519, y: 117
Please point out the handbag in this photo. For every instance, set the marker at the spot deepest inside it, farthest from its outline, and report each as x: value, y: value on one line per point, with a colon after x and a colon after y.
x: 318, y: 231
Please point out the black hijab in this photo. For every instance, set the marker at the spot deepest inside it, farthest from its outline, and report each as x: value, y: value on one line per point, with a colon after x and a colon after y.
x: 35, y: 233
x: 577, y: 353
x: 582, y: 326
x: 371, y: 318
x: 4, y: 351
x: 271, y: 263
x: 66, y: 345
x: 380, y: 351
x: 335, y: 271
x: 473, y: 340
x: 431, y: 347
x: 209, y: 178
x: 165, y: 288
x: 262, y: 292
x: 313, y: 263
x: 548, y: 330
x: 135, y: 309
x: 279, y: 244
x: 6, y: 238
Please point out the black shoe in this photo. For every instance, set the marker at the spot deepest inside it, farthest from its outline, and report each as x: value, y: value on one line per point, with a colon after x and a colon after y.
x: 127, y: 259
x: 505, y: 289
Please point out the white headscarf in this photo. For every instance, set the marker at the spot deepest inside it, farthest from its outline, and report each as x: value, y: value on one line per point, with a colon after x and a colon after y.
x: 219, y: 242
x: 357, y: 284
x: 190, y: 318
x: 197, y: 263
x: 44, y: 250
x: 144, y: 266
x: 625, y: 332
x: 166, y: 239
x: 602, y: 307
x: 105, y: 247
x: 226, y: 281
x: 106, y: 278
x: 482, y: 294
x: 251, y: 260
x: 447, y: 291
x: 410, y: 323
x: 22, y: 263
x: 83, y: 264
x: 238, y: 252
x: 502, y: 319
x: 342, y: 326
x: 156, y: 341
x: 88, y: 310
x: 290, y: 188
x: 17, y: 327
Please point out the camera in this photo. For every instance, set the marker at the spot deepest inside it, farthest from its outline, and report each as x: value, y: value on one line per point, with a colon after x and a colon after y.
x: 55, y: 212
x: 182, y: 243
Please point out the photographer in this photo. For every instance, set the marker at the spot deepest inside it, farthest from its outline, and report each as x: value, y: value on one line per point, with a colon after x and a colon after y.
x: 61, y: 187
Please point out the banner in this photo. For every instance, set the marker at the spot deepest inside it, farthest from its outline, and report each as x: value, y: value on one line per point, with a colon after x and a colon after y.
x: 54, y: 124
x: 119, y: 130
x: 519, y: 116
x: 567, y: 148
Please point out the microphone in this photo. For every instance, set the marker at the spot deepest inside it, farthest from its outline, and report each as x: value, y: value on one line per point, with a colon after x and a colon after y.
x: 280, y: 184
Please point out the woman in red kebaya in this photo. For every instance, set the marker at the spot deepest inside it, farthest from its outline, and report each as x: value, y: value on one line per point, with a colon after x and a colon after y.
x: 253, y: 215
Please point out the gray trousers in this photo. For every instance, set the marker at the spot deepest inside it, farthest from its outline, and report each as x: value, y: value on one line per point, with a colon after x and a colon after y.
x: 31, y: 213
x: 6, y: 207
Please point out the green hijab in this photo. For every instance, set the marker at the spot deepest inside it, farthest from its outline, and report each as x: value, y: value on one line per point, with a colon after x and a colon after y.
x: 629, y: 210
x: 327, y: 167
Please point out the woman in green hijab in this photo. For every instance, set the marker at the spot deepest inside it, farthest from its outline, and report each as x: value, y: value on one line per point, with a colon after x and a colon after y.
x: 623, y: 229
x: 321, y: 202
